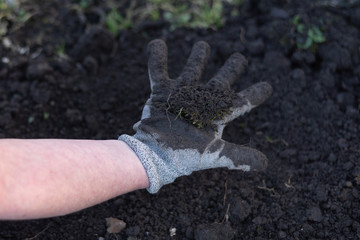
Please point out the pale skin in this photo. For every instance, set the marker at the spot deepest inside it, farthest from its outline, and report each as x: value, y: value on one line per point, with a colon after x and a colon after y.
x: 52, y: 177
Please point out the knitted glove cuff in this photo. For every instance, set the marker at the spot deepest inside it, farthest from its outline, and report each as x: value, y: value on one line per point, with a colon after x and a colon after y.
x: 158, y: 171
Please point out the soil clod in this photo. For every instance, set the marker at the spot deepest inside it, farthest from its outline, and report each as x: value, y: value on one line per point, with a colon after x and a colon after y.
x: 199, y: 105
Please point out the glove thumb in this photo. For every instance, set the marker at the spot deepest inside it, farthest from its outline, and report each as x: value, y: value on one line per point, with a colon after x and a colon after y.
x: 244, y: 158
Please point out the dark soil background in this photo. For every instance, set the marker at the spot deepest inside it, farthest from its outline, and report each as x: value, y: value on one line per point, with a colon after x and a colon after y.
x: 309, y: 128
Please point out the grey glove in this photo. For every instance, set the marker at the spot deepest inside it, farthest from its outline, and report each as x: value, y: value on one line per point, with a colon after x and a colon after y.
x: 167, y: 144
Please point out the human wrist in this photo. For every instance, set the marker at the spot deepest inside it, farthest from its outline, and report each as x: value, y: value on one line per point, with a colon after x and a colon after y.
x: 141, y: 180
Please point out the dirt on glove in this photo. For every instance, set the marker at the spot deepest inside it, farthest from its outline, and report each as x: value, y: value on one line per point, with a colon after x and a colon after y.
x: 200, y: 105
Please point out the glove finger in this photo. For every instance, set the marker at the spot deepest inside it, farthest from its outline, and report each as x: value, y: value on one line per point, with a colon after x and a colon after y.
x: 157, y: 65
x: 244, y: 158
x: 257, y: 93
x: 246, y: 100
x: 228, y: 73
x: 196, y: 64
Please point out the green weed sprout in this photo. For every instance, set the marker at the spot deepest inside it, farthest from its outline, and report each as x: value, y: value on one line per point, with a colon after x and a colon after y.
x: 114, y: 21
x: 307, y: 35
x: 210, y: 16
x: 13, y: 12
x: 85, y: 3
x: 192, y: 14
x: 60, y: 49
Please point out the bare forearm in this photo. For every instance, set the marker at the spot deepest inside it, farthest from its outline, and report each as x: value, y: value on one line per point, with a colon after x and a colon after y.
x: 50, y: 177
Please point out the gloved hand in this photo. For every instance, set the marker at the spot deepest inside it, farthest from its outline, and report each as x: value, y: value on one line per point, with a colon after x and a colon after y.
x: 169, y: 146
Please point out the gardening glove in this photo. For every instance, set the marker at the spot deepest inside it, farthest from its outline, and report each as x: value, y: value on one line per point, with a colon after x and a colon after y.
x: 169, y: 145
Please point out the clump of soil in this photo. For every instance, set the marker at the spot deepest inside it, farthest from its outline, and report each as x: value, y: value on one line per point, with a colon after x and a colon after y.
x: 200, y: 105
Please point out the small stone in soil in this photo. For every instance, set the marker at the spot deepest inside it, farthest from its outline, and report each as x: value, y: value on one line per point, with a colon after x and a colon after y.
x: 114, y: 225
x: 314, y: 214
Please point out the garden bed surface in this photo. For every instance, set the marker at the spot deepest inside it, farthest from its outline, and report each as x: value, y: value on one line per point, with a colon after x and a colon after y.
x: 309, y: 128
